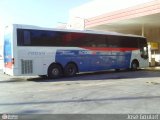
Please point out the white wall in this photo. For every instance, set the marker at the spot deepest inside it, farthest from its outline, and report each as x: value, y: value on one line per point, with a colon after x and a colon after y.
x: 96, y: 8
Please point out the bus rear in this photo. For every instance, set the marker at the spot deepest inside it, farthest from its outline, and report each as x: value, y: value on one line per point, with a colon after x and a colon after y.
x: 8, y: 50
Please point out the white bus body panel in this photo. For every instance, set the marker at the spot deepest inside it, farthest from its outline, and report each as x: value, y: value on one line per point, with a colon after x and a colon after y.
x: 143, y: 63
x: 41, y: 57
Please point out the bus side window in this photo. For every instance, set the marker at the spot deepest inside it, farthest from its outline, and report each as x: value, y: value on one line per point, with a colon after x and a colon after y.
x: 27, y: 38
x: 98, y: 41
x: 20, y: 37
x: 113, y: 41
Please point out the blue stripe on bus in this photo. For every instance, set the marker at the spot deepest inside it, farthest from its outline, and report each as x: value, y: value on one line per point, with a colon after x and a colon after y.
x: 7, y: 50
x: 87, y: 60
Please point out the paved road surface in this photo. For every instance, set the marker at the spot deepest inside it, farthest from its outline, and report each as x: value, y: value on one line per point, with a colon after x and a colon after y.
x: 105, y: 92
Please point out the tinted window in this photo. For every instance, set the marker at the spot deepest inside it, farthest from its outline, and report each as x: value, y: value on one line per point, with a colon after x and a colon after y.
x: 113, y: 41
x: 20, y: 38
x: 46, y: 38
x: 129, y: 42
x: 99, y: 40
x: 142, y: 42
x: 143, y: 48
x: 122, y: 42
x: 39, y: 38
x: 28, y: 37
x: 87, y: 40
x: 79, y: 39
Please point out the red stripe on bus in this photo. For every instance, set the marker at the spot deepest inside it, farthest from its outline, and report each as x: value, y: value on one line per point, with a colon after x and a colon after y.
x: 9, y: 65
x: 110, y: 49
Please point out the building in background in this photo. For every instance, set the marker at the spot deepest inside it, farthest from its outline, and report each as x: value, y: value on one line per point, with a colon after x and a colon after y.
x: 139, y: 17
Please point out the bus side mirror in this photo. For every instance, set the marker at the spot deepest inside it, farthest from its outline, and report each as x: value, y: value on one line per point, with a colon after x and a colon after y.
x: 144, y: 56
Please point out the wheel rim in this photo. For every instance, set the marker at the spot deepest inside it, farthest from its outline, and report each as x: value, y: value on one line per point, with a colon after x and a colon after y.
x: 71, y: 70
x: 134, y: 66
x: 55, y: 72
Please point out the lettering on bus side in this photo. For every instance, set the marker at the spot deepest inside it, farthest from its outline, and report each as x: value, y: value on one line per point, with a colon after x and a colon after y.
x: 36, y: 53
x: 85, y: 52
x: 66, y: 52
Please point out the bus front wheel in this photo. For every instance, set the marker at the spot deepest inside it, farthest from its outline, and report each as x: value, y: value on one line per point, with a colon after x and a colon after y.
x: 70, y: 69
x: 55, y: 71
x: 134, y: 65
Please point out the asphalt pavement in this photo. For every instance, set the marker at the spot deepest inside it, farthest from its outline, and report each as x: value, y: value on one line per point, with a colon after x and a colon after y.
x: 91, y: 93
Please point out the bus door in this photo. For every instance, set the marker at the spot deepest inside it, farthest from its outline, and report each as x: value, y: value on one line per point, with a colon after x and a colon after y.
x: 143, y: 52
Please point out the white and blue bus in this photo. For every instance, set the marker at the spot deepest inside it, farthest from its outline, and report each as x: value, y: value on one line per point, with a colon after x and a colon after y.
x: 31, y: 50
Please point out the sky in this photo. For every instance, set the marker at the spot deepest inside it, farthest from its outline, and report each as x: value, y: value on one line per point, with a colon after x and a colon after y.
x: 45, y: 13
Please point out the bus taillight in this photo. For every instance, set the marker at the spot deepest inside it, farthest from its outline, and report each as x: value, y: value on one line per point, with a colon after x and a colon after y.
x: 13, y: 61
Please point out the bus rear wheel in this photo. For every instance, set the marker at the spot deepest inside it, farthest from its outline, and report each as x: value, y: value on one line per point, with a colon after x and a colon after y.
x: 70, y: 69
x: 55, y: 71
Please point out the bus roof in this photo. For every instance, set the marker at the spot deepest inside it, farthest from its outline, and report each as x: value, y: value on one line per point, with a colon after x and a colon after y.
x: 22, y: 26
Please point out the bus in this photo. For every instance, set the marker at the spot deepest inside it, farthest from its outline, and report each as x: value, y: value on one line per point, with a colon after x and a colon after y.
x: 32, y: 50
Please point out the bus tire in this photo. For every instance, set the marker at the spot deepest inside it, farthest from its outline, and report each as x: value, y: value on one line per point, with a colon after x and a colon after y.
x: 70, y: 70
x: 43, y: 76
x: 134, y: 65
x: 55, y: 71
x: 117, y: 70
